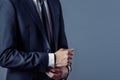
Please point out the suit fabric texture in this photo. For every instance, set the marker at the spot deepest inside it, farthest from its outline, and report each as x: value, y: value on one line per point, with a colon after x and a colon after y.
x: 24, y: 46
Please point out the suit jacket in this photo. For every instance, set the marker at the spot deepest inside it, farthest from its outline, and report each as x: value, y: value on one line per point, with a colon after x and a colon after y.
x: 24, y: 45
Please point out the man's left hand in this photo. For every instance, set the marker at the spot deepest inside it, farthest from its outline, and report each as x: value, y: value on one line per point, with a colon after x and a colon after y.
x: 63, y: 71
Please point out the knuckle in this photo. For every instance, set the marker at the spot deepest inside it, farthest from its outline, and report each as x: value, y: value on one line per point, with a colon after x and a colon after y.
x: 66, y: 51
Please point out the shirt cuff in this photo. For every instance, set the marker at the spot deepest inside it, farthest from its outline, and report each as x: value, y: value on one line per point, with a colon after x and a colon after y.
x: 51, y: 60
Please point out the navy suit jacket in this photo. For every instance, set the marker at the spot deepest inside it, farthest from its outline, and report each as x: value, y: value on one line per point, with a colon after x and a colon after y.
x: 24, y: 46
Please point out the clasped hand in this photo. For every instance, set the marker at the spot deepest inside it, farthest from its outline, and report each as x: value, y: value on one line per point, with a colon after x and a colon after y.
x: 63, y: 59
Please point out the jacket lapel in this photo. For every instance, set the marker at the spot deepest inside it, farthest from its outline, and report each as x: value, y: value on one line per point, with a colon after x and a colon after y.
x: 31, y: 8
x: 52, y: 4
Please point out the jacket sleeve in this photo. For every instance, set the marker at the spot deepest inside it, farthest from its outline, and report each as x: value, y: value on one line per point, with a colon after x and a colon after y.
x: 10, y: 57
x: 62, y: 36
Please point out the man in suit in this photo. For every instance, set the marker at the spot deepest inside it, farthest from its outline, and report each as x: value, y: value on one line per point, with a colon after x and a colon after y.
x: 33, y: 44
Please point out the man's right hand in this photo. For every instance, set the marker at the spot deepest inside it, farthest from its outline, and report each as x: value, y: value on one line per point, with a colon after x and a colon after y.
x: 63, y: 57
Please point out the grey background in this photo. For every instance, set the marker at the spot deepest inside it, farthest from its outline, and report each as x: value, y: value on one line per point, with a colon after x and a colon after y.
x: 93, y: 29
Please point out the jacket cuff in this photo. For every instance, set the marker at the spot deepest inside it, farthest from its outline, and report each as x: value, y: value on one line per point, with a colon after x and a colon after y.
x: 43, y: 63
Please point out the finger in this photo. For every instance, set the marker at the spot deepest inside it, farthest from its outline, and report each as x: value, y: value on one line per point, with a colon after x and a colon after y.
x: 69, y: 60
x: 54, y: 75
x: 52, y: 70
x: 70, y: 57
x: 57, y: 76
x: 64, y: 75
x: 50, y: 74
x: 56, y: 70
x: 71, y: 53
x: 70, y: 50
